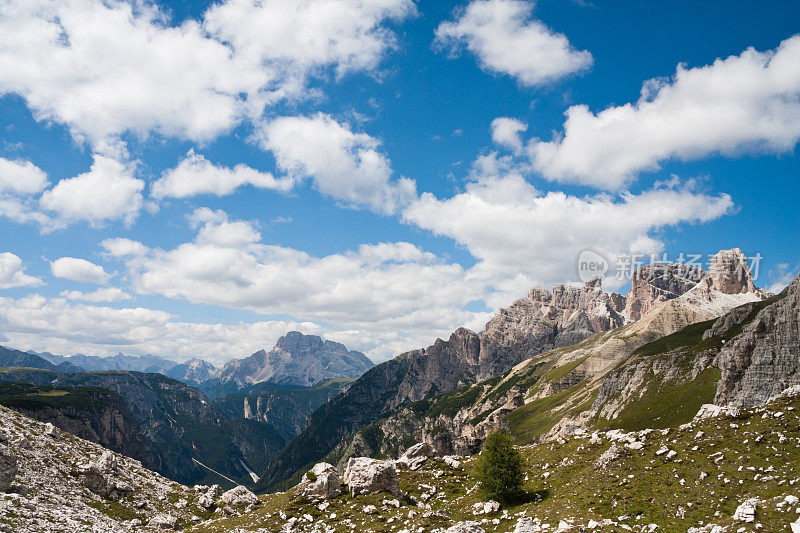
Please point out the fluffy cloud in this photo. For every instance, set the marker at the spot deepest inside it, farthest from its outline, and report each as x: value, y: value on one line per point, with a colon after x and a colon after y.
x: 342, y: 164
x: 108, y: 294
x: 122, y: 247
x: 745, y: 103
x: 197, y: 175
x: 506, y: 132
x: 299, y: 37
x: 12, y: 273
x: 108, y: 67
x: 75, y: 269
x: 522, y: 237
x: 504, y: 38
x: 108, y: 191
x: 21, y: 177
x: 392, y: 293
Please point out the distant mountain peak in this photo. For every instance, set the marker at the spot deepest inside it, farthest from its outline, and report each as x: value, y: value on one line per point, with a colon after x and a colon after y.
x: 296, y: 359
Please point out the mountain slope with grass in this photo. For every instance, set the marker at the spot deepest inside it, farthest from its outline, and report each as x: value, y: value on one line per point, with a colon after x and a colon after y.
x: 659, y: 367
x: 521, y: 336
x: 696, y: 475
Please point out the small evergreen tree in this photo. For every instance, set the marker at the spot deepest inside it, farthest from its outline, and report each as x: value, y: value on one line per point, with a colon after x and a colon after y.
x: 499, y: 468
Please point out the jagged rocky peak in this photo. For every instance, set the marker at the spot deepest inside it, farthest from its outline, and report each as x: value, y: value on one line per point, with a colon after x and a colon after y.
x: 658, y: 283
x: 545, y: 320
x: 296, y: 359
x: 729, y: 272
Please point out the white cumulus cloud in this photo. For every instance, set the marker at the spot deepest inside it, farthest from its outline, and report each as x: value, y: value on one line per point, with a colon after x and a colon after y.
x: 108, y: 191
x: 12, y: 273
x: 742, y: 104
x: 506, y: 40
x: 342, y: 164
x: 506, y: 132
x: 75, y: 269
x: 197, y: 175
x: 21, y: 177
x: 107, y: 294
x: 522, y: 237
x: 107, y: 67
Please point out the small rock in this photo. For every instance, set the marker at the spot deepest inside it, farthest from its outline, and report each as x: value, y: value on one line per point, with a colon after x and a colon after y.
x: 51, y: 431
x: 163, y: 521
x: 746, y: 512
x: 465, y: 527
x: 370, y: 509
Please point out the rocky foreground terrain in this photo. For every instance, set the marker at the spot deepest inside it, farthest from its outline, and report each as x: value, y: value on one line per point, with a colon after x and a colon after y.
x: 729, y: 469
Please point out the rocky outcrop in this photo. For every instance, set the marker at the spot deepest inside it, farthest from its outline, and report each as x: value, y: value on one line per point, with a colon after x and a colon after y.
x: 321, y: 483
x: 762, y: 359
x: 658, y: 283
x: 296, y: 359
x: 364, y: 475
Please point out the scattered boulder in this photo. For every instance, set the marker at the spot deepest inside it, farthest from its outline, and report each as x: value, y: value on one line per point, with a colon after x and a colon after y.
x: 613, y: 453
x: 163, y: 521
x: 416, y: 456
x: 369, y: 476
x: 239, y: 497
x: 321, y: 483
x: 526, y: 525
x: 746, y: 512
x: 486, y: 507
x: 8, y: 468
x: 107, y: 462
x: 370, y: 509
x: 452, y: 462
x: 465, y: 527
x: 795, y: 526
x: 709, y: 410
x: 51, y: 431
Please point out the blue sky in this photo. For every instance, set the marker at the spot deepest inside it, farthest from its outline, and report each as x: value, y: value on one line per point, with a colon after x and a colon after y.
x: 190, y: 179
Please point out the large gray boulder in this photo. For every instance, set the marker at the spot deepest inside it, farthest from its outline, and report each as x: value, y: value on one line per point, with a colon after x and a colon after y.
x: 416, y: 456
x: 321, y: 483
x: 239, y: 497
x: 8, y: 468
x: 364, y: 475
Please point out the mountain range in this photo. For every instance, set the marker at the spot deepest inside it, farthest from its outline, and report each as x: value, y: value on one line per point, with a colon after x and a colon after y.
x: 626, y: 409
x: 662, y: 300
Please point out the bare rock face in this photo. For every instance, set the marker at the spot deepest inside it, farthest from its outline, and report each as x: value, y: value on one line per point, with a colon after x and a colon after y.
x: 322, y: 483
x: 730, y: 273
x: 369, y: 476
x: 8, y: 468
x: 762, y: 361
x: 239, y: 497
x: 546, y: 320
x: 416, y: 456
x: 658, y: 283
